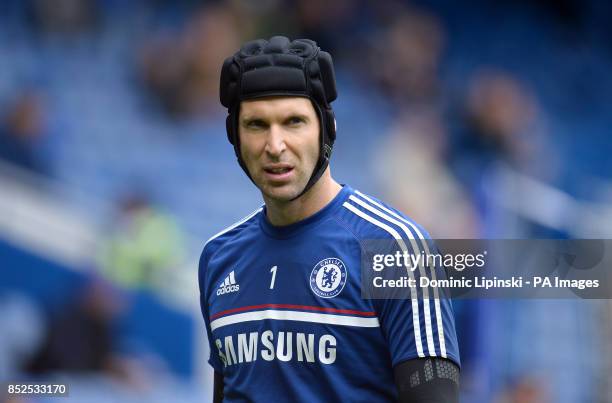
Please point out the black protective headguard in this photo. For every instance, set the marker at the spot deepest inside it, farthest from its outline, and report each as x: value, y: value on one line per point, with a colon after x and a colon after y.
x: 280, y: 67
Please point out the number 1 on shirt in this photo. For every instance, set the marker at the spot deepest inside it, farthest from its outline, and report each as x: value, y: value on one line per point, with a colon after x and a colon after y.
x: 273, y: 271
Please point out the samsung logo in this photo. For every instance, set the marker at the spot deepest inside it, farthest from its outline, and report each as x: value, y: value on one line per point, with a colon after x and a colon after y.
x: 282, y: 346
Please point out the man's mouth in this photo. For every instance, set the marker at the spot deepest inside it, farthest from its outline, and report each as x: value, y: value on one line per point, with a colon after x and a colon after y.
x: 278, y: 172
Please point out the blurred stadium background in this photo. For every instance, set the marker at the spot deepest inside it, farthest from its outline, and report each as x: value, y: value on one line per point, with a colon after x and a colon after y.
x: 479, y: 120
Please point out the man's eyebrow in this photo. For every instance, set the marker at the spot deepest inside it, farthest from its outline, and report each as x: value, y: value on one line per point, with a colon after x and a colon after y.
x: 297, y: 115
x: 250, y: 118
x: 289, y: 115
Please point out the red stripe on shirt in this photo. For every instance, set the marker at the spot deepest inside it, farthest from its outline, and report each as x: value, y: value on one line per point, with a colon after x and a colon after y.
x: 287, y: 306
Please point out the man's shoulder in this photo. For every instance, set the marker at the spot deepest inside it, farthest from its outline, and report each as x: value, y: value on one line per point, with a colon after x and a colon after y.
x: 231, y: 232
x: 371, y: 218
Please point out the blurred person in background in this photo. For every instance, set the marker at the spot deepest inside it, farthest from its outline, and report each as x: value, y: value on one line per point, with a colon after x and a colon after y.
x: 329, y: 24
x: 499, y: 122
x: 265, y: 275
x: 144, y: 247
x: 82, y: 340
x: 499, y: 135
x: 64, y: 17
x: 411, y: 41
x: 80, y: 337
x: 416, y: 145
x: 181, y: 70
x: 23, y: 131
x: 422, y: 183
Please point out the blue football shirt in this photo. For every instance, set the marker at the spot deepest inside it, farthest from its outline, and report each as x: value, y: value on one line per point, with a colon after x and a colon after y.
x: 284, y: 314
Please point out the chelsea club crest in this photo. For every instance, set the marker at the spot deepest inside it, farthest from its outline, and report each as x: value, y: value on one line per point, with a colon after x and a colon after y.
x: 328, y: 277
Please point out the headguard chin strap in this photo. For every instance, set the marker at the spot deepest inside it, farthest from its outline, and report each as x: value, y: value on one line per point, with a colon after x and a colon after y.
x: 280, y: 67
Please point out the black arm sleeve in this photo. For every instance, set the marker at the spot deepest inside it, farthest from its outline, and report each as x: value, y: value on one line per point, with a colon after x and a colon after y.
x: 427, y: 380
x: 218, y: 388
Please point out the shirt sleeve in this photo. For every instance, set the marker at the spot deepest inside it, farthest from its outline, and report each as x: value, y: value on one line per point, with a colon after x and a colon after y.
x: 213, y: 359
x: 420, y: 322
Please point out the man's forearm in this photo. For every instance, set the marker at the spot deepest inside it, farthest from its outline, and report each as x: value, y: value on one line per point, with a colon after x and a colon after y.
x: 427, y: 380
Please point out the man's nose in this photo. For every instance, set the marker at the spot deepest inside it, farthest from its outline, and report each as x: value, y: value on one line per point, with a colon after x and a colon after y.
x: 275, y: 144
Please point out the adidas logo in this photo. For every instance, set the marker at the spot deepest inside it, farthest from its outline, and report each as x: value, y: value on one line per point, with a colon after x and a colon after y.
x: 228, y: 285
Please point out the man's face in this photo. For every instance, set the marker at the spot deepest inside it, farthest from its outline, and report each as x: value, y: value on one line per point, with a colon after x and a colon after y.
x: 279, y: 143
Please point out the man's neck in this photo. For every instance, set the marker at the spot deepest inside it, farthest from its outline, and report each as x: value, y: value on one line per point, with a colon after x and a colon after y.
x: 289, y: 212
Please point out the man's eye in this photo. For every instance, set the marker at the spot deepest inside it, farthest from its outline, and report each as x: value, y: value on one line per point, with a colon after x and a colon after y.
x: 295, y: 120
x: 255, y: 124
